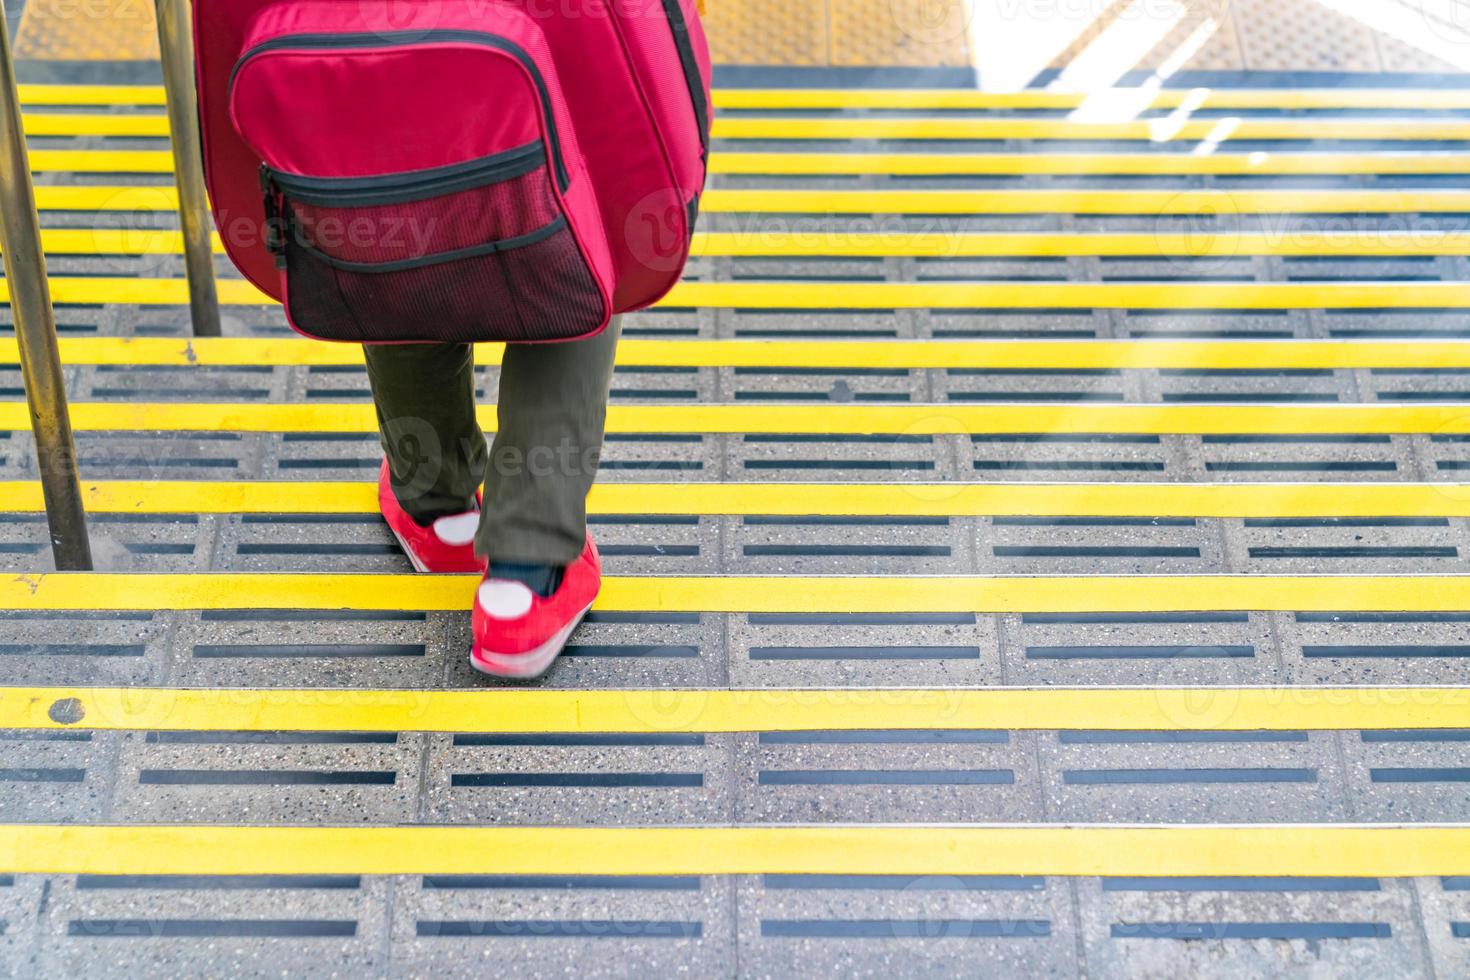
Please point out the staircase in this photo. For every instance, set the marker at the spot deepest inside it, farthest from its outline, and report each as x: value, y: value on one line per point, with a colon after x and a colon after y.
x: 1035, y: 538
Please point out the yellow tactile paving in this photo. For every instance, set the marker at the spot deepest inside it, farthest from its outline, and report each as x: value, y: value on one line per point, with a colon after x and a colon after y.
x: 1281, y: 35
x: 918, y: 33
x: 87, y: 30
x: 767, y: 32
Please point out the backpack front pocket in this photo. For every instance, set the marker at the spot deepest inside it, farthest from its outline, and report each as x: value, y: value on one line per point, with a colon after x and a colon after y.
x: 395, y: 216
x: 465, y: 252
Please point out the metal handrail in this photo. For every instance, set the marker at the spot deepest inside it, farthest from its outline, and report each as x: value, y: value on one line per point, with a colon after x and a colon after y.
x: 176, y: 49
x: 35, y: 332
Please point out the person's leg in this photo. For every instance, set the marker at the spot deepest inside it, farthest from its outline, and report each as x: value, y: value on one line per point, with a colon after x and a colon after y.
x: 425, y: 399
x: 552, y: 409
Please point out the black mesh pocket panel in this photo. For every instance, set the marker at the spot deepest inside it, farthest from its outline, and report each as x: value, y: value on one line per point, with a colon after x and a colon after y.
x: 534, y: 286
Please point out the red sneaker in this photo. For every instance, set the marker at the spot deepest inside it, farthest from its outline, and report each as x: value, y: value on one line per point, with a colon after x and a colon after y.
x: 517, y: 632
x: 447, y: 545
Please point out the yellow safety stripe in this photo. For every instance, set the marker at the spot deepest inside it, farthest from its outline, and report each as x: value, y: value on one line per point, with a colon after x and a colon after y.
x: 1385, y: 850
x: 752, y: 710
x: 94, y: 124
x: 829, y: 499
x: 755, y: 593
x: 144, y: 198
x: 1133, y: 164
x: 844, y: 419
x: 917, y: 164
x: 943, y: 245
x: 904, y: 295
x: 1145, y: 202
x: 92, y: 95
x: 103, y: 161
x: 951, y: 98
x: 1049, y: 244
x: 1120, y: 101
x: 909, y: 354
x: 1154, y: 130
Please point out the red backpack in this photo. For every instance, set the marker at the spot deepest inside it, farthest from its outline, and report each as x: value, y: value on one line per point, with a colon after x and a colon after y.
x: 454, y: 170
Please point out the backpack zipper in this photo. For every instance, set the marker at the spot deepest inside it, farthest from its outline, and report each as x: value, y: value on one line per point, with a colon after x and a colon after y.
x: 690, y: 66
x: 410, y: 185
x: 409, y: 38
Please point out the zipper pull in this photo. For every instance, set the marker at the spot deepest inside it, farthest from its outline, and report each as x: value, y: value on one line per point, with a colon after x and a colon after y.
x: 274, y: 239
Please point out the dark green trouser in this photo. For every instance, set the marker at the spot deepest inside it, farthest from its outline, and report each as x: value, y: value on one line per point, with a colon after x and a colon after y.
x: 553, y: 404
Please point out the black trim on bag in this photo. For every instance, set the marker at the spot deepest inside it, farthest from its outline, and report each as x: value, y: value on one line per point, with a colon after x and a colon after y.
x: 411, y: 185
x: 437, y: 258
x: 691, y: 212
x: 405, y: 38
x: 690, y: 64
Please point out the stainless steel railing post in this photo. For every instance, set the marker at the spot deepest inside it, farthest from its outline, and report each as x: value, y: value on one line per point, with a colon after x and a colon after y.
x: 35, y: 332
x: 176, y: 46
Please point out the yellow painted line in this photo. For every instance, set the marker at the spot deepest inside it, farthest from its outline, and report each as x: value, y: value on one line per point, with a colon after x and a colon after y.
x: 103, y: 161
x: 1389, y: 851
x: 1263, y: 164
x: 1049, y: 244
x: 1223, y: 500
x: 143, y: 198
x: 1388, y: 242
x: 141, y: 95
x: 950, y: 98
x: 1119, y: 101
x: 904, y: 295
x: 846, y: 419
x: 910, y: 354
x: 1024, y: 295
x: 94, y: 124
x: 1157, y: 130
x: 756, y: 593
x: 1144, y: 202
x: 753, y: 710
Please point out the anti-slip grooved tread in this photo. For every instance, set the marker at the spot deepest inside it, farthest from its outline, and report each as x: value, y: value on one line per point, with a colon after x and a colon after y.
x: 852, y: 715
x: 925, y: 718
x: 1405, y: 98
x: 880, y: 296
x: 1149, y: 504
x: 837, y: 357
x: 914, y: 421
x: 952, y: 245
x: 1417, y: 129
x: 1434, y: 163
x: 136, y: 199
x: 1273, y: 850
x: 753, y: 593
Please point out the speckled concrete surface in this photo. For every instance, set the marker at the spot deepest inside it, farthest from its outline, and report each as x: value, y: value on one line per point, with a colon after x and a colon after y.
x: 777, y: 926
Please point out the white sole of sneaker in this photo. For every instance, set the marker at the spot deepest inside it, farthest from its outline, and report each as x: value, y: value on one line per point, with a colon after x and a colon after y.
x: 413, y: 559
x: 532, y: 663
